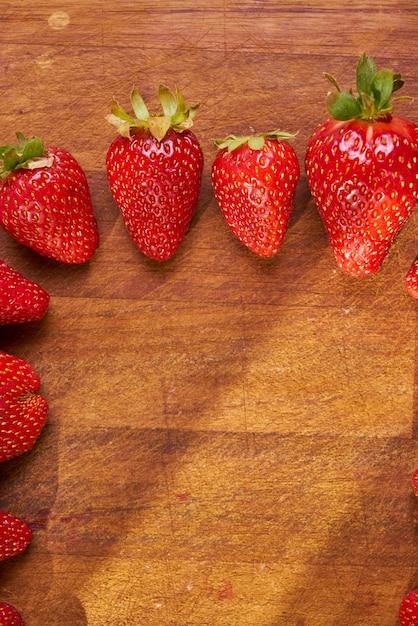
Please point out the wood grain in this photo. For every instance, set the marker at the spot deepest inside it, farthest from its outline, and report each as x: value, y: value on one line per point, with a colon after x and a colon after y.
x: 230, y: 440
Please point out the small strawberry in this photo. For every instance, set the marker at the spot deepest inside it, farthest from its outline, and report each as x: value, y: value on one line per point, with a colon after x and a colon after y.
x: 45, y: 201
x: 154, y: 169
x: 23, y: 411
x: 408, y: 610
x: 15, y: 535
x: 254, y: 179
x: 21, y: 300
x: 9, y: 616
x: 411, y: 279
x: 361, y: 166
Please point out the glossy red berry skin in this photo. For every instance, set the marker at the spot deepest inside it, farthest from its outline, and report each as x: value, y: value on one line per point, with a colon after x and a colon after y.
x: 255, y: 190
x: 156, y: 185
x: 364, y: 179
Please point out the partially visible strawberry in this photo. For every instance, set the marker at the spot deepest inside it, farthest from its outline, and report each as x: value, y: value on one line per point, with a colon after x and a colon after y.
x: 254, y: 179
x: 415, y: 487
x: 154, y: 169
x: 23, y: 411
x: 361, y: 166
x: 408, y: 610
x: 15, y: 535
x: 9, y: 616
x: 45, y: 201
x: 411, y: 279
x: 21, y: 299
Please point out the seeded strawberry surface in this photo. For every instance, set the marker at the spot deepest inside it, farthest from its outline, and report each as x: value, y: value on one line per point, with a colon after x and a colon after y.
x: 255, y: 190
x: 363, y: 178
x: 15, y: 535
x: 49, y: 209
x: 23, y: 411
x: 9, y: 616
x: 21, y: 300
x: 411, y: 279
x: 408, y: 610
x: 156, y: 185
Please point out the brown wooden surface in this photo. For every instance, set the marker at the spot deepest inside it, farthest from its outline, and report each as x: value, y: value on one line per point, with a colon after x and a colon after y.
x: 230, y: 440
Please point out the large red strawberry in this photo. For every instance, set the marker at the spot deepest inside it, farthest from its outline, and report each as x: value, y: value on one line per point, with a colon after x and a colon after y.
x: 45, y: 201
x: 9, y: 616
x: 15, y: 535
x: 154, y: 169
x: 361, y: 166
x: 411, y: 279
x: 21, y: 299
x: 408, y: 610
x: 254, y: 179
x: 23, y: 411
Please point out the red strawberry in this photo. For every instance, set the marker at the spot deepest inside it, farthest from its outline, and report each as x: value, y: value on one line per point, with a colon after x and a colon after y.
x: 154, y: 169
x: 21, y: 300
x: 254, y: 180
x: 415, y: 487
x: 45, y: 201
x: 15, y: 535
x: 408, y: 610
x: 411, y: 279
x: 23, y: 411
x: 9, y: 616
x: 361, y: 167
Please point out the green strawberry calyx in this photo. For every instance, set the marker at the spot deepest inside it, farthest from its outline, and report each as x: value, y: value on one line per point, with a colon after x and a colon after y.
x: 255, y: 142
x: 374, y: 98
x: 28, y: 154
x: 176, y: 114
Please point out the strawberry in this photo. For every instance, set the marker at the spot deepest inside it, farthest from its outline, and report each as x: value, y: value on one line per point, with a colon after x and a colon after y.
x: 21, y: 300
x: 408, y: 610
x: 411, y: 279
x: 23, y: 411
x: 9, y: 616
x: 254, y: 179
x: 15, y: 535
x: 45, y: 201
x: 415, y: 487
x: 154, y: 168
x: 415, y: 482
x: 361, y: 166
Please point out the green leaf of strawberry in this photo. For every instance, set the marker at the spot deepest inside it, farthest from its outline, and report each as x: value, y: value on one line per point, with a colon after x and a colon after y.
x: 9, y: 616
x: 21, y: 300
x: 15, y: 535
x: 254, y: 180
x: 45, y: 201
x: 361, y: 169
x: 154, y: 168
x: 375, y: 89
x: 23, y: 411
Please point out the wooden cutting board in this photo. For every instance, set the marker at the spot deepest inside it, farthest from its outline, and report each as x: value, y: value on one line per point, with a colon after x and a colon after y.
x: 230, y: 440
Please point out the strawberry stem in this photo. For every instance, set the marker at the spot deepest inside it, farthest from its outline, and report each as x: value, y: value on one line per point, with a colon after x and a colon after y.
x: 255, y: 142
x: 27, y: 154
x: 176, y: 114
x: 374, y: 98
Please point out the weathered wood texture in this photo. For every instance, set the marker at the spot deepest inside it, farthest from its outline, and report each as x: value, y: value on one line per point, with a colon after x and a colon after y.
x: 230, y: 440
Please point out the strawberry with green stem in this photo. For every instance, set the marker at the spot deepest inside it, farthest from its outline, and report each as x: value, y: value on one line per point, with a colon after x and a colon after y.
x: 361, y: 166
x: 21, y: 299
x: 45, y: 201
x: 254, y: 180
x: 23, y: 411
x: 154, y: 168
